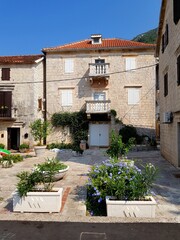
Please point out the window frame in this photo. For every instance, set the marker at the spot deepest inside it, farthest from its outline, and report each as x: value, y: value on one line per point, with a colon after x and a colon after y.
x: 5, y: 74
x: 178, y: 70
x: 166, y: 85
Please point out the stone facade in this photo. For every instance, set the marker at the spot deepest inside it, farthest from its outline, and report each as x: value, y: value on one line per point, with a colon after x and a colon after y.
x: 169, y: 132
x: 70, y: 84
x: 141, y: 115
x: 26, y: 85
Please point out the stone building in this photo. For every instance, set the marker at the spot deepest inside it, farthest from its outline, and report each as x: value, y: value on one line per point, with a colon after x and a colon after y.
x: 96, y: 75
x: 168, y: 52
x: 99, y: 75
x: 21, y: 93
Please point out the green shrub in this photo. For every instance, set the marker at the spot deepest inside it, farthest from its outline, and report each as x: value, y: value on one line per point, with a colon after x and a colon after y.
x: 24, y: 146
x: 2, y: 146
x: 128, y: 132
x: 119, y: 180
x: 12, y: 157
x: 42, y: 175
x: 60, y: 145
x: 117, y: 148
x: 77, y: 122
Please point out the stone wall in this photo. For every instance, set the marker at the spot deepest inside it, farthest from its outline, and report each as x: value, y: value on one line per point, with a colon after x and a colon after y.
x: 171, y: 103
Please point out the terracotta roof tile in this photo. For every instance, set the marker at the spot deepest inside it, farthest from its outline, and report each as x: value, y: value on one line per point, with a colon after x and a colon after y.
x: 24, y: 59
x: 106, y: 43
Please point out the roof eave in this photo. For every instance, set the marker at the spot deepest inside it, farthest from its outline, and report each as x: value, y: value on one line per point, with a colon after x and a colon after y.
x: 94, y: 49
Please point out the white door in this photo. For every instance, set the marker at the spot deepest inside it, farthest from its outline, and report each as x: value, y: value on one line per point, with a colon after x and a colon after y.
x: 99, y: 135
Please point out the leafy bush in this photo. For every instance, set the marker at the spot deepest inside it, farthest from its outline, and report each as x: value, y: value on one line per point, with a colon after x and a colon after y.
x: 24, y: 146
x: 60, y: 145
x: 40, y: 179
x: 12, y: 157
x: 120, y: 180
x: 117, y: 147
x: 128, y: 132
x: 2, y: 146
x: 50, y: 165
x: 77, y: 122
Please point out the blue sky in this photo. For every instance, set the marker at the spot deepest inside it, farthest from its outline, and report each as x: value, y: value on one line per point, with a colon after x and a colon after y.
x: 28, y: 26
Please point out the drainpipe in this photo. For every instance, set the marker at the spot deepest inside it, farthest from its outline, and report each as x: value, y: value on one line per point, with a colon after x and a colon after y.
x: 44, y: 93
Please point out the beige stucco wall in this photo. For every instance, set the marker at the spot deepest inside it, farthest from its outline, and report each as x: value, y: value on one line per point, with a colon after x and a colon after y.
x: 168, y: 63
x: 26, y: 83
x: 141, y: 115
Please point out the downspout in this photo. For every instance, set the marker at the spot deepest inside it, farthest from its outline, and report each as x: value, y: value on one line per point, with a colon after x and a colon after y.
x: 44, y: 93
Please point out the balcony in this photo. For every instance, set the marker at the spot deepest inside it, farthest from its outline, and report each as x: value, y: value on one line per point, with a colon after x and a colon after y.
x: 99, y: 70
x: 7, y: 114
x: 98, y: 106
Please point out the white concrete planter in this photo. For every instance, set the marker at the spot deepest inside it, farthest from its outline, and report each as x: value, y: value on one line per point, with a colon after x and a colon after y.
x: 140, y: 209
x: 39, y: 150
x: 38, y: 201
x: 61, y: 174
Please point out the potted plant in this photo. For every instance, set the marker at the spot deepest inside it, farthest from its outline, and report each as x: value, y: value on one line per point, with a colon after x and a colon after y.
x: 35, y: 190
x: 53, y: 165
x: 123, y: 190
x: 39, y: 130
x: 117, y: 148
x: 24, y: 147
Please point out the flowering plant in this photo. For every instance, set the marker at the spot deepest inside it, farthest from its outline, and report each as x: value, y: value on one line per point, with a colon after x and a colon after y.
x: 119, y: 180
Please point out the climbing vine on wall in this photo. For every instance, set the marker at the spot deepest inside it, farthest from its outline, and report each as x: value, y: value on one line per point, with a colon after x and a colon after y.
x: 76, y: 121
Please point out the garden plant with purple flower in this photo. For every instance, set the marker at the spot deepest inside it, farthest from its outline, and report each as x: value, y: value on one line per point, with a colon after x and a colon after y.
x: 120, y: 180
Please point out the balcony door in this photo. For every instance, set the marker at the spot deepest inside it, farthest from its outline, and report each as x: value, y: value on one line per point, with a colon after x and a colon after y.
x: 5, y: 103
x: 99, y: 97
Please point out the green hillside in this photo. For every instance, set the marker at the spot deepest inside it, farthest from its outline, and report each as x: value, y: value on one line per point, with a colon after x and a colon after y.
x: 147, y: 37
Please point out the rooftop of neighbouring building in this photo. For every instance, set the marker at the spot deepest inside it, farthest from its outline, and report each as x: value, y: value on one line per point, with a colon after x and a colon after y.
x: 22, y: 59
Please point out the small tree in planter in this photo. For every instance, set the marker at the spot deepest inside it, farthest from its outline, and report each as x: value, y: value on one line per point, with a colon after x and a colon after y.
x: 117, y: 147
x: 39, y: 130
x: 35, y: 190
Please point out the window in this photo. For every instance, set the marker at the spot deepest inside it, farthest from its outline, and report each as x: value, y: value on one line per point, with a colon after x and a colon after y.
x: 133, y: 95
x: 5, y: 103
x: 99, y: 96
x: 165, y: 38
x: 69, y: 66
x: 157, y: 77
x: 176, y: 10
x: 130, y: 63
x: 165, y: 84
x: 178, y: 70
x: 5, y: 74
x: 66, y: 97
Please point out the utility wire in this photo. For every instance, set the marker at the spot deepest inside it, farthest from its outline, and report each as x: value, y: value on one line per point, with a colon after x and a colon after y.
x: 84, y: 77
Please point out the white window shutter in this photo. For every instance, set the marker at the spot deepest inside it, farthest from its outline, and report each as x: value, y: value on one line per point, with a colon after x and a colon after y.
x: 130, y: 63
x: 133, y: 95
x: 69, y: 65
x: 66, y: 99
